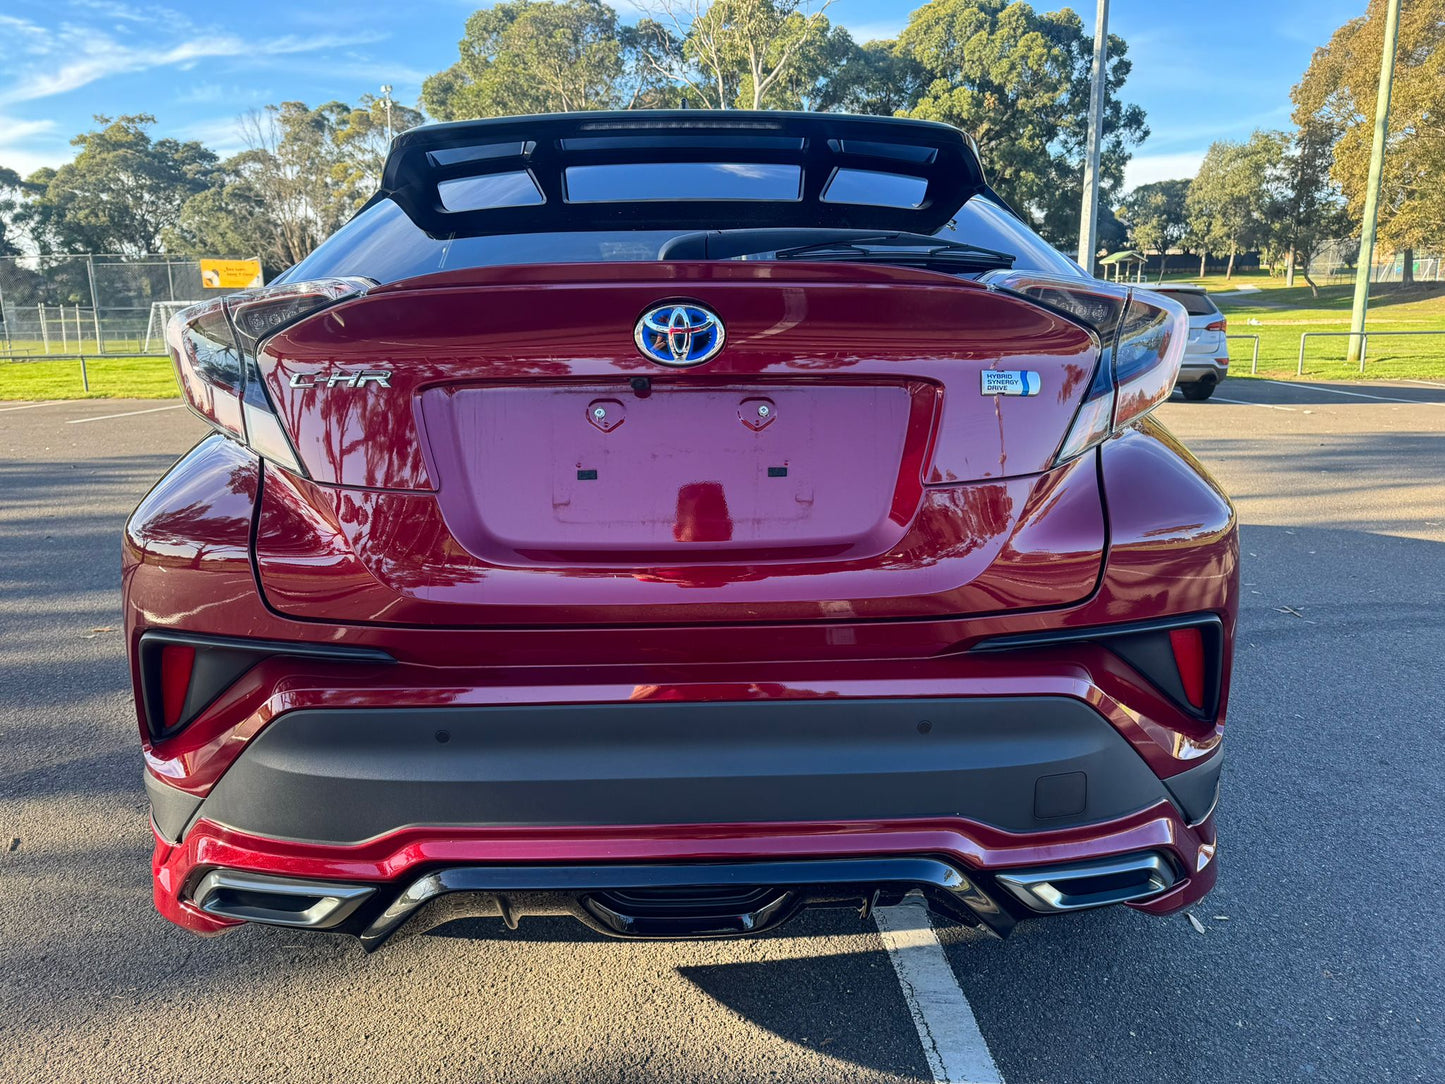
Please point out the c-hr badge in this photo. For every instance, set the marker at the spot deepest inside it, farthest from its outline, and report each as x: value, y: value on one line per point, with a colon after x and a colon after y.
x: 342, y: 378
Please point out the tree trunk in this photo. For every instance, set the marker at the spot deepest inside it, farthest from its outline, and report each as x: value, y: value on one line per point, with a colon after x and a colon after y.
x: 1289, y: 269
x: 1229, y: 271
x: 1407, y: 267
x: 1163, y: 263
x: 1304, y: 269
x: 1203, y: 256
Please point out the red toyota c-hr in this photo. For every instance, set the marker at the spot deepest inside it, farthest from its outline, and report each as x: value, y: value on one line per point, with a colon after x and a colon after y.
x: 676, y: 520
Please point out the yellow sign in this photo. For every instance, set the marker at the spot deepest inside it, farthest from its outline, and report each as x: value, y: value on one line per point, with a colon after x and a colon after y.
x: 230, y: 274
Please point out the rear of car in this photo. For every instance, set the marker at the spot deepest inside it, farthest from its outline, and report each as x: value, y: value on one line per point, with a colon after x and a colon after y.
x: 677, y: 521
x: 1206, y: 358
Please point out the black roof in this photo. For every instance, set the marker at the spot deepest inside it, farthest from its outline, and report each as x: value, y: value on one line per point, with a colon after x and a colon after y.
x: 546, y: 145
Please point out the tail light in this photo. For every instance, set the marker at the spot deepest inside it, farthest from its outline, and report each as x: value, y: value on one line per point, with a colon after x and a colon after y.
x: 1141, y: 334
x: 1222, y: 324
x: 214, y: 345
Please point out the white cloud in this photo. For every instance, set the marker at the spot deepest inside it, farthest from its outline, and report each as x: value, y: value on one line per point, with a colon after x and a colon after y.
x: 1148, y: 168
x: 130, y: 13
x: 13, y: 130
x: 23, y: 36
x: 24, y: 146
x: 220, y: 134
x: 874, y: 31
x: 368, y: 72
x: 75, y: 56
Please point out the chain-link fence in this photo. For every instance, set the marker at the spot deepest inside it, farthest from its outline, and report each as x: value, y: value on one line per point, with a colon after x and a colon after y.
x: 1336, y: 261
x: 95, y: 304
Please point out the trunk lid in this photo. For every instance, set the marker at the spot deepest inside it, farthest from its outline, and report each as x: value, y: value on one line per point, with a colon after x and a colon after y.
x: 523, y: 462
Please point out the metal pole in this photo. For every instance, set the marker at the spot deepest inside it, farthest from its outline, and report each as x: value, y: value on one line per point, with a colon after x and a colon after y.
x: 94, y: 303
x: 1377, y: 168
x: 1089, y: 215
x: 10, y: 347
x: 1300, y: 368
x: 44, y: 332
x: 84, y: 376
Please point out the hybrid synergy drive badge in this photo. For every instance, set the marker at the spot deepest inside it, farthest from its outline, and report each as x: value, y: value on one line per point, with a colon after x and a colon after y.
x: 1011, y: 382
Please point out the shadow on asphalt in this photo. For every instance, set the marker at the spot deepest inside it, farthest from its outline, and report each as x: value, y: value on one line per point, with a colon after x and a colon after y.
x: 1382, y: 296
x: 1329, y: 954
x: 1292, y: 391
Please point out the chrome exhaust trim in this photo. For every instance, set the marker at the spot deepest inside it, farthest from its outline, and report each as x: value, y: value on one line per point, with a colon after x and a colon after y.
x: 277, y: 901
x: 1129, y: 878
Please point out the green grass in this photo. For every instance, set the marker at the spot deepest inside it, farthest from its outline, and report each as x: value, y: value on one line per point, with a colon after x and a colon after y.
x: 1279, y: 315
x: 1275, y: 313
x: 110, y: 378
x: 114, y: 345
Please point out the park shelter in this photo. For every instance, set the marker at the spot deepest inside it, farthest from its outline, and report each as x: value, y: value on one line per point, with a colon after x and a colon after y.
x: 1127, y: 260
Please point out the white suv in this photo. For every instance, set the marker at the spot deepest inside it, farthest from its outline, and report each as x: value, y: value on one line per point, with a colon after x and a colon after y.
x: 1206, y: 358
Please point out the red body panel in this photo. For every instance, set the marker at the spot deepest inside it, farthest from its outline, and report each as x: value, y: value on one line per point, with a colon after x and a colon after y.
x: 186, y: 566
x: 944, y: 525
x: 374, y: 556
x: 879, y: 482
x: 785, y: 322
x: 401, y: 856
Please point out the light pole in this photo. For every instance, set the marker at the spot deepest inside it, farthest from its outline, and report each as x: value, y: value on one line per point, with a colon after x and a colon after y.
x: 1089, y: 217
x: 1372, y: 192
x: 386, y: 97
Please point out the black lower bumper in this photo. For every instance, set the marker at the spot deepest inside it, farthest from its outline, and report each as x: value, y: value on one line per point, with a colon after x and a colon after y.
x: 1016, y: 763
x: 681, y: 900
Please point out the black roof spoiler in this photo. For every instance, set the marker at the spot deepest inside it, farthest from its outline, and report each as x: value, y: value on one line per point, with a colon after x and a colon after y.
x: 545, y: 146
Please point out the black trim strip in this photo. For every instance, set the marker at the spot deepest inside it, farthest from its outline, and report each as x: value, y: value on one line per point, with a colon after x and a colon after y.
x: 1129, y: 642
x: 1094, y: 633
x: 220, y: 661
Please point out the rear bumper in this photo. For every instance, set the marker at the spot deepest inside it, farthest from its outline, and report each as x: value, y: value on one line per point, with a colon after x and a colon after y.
x: 741, y: 808
x: 405, y: 818
x: 683, y: 880
x: 1198, y: 367
x: 1017, y: 763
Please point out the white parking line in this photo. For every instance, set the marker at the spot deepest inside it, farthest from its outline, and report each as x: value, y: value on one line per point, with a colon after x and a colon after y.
x: 1246, y: 402
x: 31, y: 406
x: 949, y: 1033
x: 1352, y: 394
x: 127, y: 414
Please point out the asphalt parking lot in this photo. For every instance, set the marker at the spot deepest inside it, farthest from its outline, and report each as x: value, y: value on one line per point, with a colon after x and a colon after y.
x: 1318, y: 960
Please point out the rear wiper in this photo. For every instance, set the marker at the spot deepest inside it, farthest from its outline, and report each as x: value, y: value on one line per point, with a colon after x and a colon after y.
x: 914, y: 249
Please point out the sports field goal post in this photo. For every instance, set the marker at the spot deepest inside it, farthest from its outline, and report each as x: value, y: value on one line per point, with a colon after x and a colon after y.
x: 161, y: 313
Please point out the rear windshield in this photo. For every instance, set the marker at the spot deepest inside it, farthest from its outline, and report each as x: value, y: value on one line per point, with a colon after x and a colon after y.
x: 635, y: 182
x: 1195, y: 303
x: 382, y: 243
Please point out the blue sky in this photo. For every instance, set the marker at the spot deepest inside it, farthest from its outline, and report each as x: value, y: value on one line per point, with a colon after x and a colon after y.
x: 1203, y: 69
